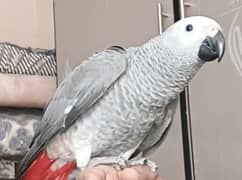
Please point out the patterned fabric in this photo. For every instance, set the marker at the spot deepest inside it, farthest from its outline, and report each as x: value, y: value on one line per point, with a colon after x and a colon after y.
x: 7, y: 169
x: 17, y: 128
x: 18, y: 60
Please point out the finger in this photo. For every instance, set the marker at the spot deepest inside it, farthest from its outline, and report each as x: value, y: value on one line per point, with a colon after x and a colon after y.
x: 138, y: 173
x: 99, y: 173
x: 145, y: 170
x: 91, y: 174
x: 110, y: 172
x: 128, y: 174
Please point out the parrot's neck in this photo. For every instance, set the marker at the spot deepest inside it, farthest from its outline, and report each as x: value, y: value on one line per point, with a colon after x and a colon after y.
x: 161, y: 71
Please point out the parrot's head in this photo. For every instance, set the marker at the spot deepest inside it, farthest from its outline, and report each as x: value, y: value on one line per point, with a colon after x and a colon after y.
x: 191, y: 42
x: 198, y: 37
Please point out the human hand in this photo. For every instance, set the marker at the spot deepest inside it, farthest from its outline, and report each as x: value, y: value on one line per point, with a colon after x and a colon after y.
x: 110, y: 173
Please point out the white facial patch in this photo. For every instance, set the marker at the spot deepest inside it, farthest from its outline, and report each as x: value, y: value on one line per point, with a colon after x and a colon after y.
x: 212, y: 31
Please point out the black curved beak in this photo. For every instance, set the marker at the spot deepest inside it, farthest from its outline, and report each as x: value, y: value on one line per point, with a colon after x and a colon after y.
x: 212, y: 48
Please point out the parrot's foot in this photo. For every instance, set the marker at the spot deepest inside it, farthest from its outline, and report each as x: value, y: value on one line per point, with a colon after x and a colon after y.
x: 116, y: 162
x: 143, y: 162
x: 121, y: 163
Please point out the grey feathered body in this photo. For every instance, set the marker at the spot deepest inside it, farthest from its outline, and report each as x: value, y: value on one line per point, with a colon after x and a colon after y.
x: 115, y: 102
x: 121, y: 102
x: 136, y: 108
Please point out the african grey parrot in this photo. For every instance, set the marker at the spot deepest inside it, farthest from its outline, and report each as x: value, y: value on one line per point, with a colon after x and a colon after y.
x: 120, y: 103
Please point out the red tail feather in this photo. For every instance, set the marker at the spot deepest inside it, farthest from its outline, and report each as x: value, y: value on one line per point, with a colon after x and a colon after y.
x: 40, y: 169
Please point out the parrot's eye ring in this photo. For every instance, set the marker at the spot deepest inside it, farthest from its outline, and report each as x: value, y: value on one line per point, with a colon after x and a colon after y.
x: 189, y: 27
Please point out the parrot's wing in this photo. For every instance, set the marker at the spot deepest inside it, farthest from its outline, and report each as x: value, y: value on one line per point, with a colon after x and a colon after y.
x: 85, y: 86
x: 79, y: 91
x: 158, y: 131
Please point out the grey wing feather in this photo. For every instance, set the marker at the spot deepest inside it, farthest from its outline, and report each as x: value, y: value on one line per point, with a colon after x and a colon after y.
x: 158, y: 132
x: 79, y: 91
